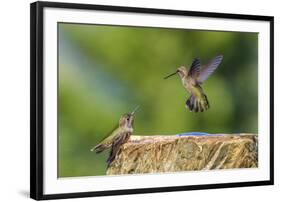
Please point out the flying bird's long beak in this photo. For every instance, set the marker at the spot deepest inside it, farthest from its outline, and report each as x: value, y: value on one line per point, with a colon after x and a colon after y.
x: 136, y: 109
x: 171, y: 75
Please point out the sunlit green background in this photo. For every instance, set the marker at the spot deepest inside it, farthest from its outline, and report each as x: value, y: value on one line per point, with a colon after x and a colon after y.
x: 105, y: 71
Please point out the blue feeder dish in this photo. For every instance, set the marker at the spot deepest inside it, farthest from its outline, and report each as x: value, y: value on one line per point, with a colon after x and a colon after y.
x: 193, y: 134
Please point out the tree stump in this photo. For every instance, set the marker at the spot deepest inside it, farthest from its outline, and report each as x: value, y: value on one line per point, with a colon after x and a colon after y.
x: 156, y: 154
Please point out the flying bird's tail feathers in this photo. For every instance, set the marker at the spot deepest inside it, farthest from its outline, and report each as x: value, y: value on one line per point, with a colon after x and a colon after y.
x: 197, y: 104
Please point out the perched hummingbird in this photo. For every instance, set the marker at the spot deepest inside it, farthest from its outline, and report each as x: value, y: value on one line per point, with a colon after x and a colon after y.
x: 118, y: 137
x: 193, y: 79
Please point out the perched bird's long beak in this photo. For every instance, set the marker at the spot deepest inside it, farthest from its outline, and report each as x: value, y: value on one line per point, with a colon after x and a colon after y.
x: 136, y: 109
x: 171, y: 75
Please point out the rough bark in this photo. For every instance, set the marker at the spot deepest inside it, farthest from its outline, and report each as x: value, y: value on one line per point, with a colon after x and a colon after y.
x: 151, y: 154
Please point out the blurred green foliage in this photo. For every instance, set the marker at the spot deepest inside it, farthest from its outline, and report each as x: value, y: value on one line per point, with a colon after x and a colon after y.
x: 105, y: 71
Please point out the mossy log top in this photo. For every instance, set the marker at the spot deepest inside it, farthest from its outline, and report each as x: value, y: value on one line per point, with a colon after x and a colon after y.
x: 152, y: 154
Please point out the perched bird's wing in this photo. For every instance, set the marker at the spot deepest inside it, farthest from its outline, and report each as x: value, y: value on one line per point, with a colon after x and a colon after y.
x: 117, y: 142
x: 106, y: 142
x: 100, y: 148
x: 209, y: 68
x: 194, y: 70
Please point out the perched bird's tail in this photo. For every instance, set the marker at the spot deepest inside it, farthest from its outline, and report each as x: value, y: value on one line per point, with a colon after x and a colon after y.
x: 197, y: 104
x: 99, y: 148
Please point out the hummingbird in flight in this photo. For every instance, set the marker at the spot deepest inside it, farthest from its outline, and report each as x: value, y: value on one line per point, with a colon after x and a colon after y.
x: 193, y: 79
x: 117, y: 137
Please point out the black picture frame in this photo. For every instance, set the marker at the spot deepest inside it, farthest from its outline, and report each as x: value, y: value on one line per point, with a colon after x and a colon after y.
x: 36, y: 98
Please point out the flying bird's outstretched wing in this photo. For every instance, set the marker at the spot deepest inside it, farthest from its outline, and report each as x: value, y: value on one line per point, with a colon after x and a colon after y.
x: 194, y: 70
x: 209, y: 68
